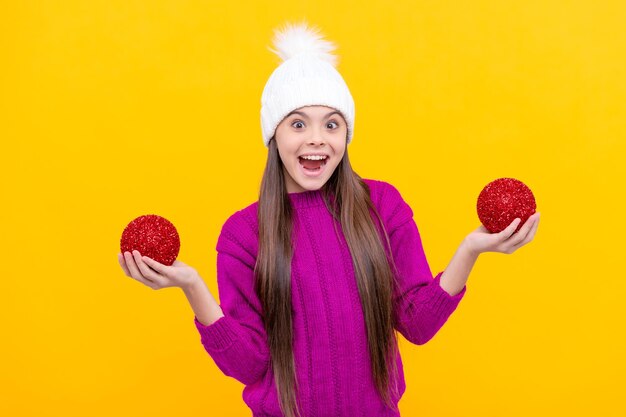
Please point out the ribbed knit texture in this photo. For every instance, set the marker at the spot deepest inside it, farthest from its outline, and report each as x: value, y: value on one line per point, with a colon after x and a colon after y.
x: 330, y: 341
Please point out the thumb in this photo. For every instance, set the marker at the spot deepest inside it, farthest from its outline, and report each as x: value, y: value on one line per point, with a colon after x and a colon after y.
x: 178, y: 263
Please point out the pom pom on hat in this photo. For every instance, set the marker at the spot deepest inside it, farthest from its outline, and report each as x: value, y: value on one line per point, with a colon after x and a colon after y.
x: 299, y: 39
x: 306, y: 77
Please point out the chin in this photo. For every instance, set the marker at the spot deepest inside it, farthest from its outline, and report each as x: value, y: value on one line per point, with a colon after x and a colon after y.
x: 312, y: 185
x: 307, y: 183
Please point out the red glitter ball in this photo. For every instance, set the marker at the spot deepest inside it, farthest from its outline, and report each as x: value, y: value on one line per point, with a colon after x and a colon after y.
x: 502, y: 201
x: 153, y: 236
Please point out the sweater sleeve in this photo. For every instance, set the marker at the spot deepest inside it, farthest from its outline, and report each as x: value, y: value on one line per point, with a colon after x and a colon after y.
x: 237, y: 342
x: 421, y: 305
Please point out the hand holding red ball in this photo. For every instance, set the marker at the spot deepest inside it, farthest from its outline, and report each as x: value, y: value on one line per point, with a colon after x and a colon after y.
x: 149, y: 247
x: 506, y: 208
x: 503, y: 200
x: 153, y: 236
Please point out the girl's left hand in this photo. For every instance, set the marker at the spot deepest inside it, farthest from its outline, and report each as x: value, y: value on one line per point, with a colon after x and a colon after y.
x: 482, y: 240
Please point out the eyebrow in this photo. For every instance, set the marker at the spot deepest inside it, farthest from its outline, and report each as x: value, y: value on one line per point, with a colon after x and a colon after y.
x: 305, y: 115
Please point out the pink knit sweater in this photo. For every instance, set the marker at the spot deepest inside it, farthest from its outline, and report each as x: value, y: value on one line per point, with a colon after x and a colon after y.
x: 330, y: 342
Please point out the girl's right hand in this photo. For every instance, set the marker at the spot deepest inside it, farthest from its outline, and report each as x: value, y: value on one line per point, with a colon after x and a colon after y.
x: 157, y: 275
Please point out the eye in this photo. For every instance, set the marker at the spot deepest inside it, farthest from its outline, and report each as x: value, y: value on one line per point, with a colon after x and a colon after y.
x: 333, y: 122
x: 297, y: 122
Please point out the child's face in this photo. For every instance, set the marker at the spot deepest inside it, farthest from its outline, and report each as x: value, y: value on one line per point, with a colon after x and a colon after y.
x: 316, y: 130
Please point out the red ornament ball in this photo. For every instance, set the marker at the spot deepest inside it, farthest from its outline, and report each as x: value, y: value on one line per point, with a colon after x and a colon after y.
x: 153, y: 236
x: 502, y: 201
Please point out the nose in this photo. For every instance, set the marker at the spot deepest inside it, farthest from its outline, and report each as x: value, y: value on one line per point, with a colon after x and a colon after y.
x: 316, y: 140
x: 317, y: 137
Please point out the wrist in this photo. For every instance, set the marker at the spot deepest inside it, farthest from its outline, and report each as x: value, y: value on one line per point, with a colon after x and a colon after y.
x: 193, y: 284
x: 468, y: 249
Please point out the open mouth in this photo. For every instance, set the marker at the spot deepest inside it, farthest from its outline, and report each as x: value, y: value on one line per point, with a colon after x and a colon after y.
x: 312, y: 166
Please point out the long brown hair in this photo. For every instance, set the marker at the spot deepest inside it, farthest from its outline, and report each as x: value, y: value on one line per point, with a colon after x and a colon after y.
x: 373, y: 263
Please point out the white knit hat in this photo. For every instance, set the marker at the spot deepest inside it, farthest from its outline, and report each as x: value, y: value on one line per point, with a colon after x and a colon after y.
x: 306, y: 77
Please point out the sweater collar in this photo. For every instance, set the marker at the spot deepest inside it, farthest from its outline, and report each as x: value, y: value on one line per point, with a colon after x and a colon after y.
x: 309, y: 198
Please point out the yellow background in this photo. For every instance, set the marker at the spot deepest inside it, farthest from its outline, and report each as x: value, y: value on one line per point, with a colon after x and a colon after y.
x: 114, y: 109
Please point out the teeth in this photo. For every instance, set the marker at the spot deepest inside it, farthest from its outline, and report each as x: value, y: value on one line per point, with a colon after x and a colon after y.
x: 314, y: 157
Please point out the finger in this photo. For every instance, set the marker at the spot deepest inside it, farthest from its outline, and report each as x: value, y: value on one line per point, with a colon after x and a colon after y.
x: 521, y: 234
x: 157, y: 266
x: 531, y: 233
x: 145, y: 270
x: 134, y: 272
x: 120, y: 259
x: 510, y: 229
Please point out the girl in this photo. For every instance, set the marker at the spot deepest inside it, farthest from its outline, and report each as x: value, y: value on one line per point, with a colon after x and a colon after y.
x: 318, y: 274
